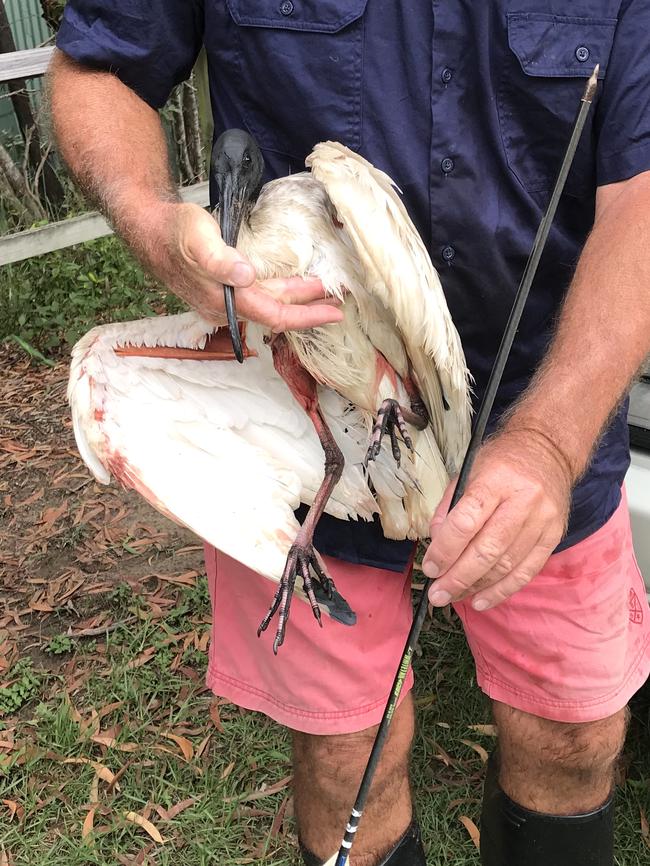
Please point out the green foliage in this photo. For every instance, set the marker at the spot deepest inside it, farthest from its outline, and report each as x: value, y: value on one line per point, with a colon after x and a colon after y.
x: 59, y: 645
x: 50, y: 301
x: 24, y: 684
x: 122, y: 595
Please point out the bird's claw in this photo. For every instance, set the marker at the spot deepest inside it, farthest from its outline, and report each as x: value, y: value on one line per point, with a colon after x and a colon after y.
x: 389, y: 420
x: 301, y: 560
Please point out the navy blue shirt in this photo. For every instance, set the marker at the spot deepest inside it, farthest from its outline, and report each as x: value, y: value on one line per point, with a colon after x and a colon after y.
x: 467, y: 105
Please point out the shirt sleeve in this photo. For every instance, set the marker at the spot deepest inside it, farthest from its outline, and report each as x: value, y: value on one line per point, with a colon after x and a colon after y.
x: 623, y: 113
x: 151, y: 45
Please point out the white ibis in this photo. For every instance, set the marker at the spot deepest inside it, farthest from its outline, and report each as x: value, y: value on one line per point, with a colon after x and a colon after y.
x: 231, y: 449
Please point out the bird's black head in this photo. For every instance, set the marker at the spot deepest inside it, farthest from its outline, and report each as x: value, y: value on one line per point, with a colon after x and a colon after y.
x: 237, y: 167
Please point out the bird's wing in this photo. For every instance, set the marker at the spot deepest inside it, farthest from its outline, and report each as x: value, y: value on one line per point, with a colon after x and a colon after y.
x: 220, y: 447
x: 399, y: 273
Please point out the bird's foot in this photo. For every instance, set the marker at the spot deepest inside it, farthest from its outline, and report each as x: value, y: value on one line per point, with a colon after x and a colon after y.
x: 390, y: 419
x: 301, y: 560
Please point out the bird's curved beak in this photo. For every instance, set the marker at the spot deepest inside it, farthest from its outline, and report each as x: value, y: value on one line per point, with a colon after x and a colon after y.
x: 231, y: 213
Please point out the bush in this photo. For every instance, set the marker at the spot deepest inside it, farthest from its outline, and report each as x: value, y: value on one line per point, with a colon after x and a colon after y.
x: 50, y: 301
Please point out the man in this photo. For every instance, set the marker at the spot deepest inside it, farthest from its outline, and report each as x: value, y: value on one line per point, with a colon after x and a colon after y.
x: 469, y: 107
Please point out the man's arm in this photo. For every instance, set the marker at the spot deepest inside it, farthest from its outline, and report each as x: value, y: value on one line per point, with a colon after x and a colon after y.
x: 115, y: 148
x: 515, y: 508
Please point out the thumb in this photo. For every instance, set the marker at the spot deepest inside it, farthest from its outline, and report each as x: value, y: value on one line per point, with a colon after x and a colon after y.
x: 206, y: 248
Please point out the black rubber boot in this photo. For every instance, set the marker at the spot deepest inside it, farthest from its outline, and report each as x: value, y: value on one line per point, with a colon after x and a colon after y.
x: 407, y: 852
x: 514, y: 836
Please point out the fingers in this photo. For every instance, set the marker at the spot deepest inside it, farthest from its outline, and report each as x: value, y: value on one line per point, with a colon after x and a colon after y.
x: 451, y: 535
x: 520, y: 575
x: 256, y: 304
x: 204, y: 249
x: 503, y: 542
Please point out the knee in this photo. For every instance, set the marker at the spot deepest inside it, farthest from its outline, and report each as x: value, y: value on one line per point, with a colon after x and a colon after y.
x: 581, y: 751
x: 339, y: 760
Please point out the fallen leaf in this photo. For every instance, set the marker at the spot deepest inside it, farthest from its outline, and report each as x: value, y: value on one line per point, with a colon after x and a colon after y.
x: 51, y: 515
x: 146, y: 825
x: 228, y: 771
x: 88, y: 824
x: 180, y: 807
x: 184, y: 744
x: 142, y: 659
x: 15, y: 809
x: 487, y: 730
x: 102, y: 771
x: 94, y: 790
x: 480, y: 751
x: 111, y: 743
x: 263, y: 792
x: 202, y: 745
x: 215, y: 716
x: 472, y: 829
x: 645, y: 826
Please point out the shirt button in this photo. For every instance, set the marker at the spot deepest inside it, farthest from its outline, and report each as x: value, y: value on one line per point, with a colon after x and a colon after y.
x: 447, y: 74
x: 447, y: 165
x: 287, y: 7
x: 448, y: 253
x: 582, y: 53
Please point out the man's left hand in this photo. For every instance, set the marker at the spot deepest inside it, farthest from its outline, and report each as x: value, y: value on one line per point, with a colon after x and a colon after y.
x: 506, y: 525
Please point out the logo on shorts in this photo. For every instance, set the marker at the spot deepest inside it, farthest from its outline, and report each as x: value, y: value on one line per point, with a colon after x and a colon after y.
x: 636, y: 611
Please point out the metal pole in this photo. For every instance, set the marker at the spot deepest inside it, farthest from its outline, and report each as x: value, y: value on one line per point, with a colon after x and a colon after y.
x: 527, y: 278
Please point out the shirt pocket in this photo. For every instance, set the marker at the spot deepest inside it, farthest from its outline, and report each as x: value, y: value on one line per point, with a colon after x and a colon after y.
x: 548, y: 61
x: 299, y: 71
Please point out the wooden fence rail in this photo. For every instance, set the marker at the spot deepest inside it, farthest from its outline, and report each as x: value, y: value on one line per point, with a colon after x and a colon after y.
x: 56, y: 236
x: 25, y: 64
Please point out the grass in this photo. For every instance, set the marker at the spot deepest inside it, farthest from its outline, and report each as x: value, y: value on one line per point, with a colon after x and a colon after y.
x: 141, y: 713
x: 48, y: 302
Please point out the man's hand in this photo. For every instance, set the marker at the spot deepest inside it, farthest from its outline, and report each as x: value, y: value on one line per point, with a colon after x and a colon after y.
x: 193, y: 260
x: 506, y: 525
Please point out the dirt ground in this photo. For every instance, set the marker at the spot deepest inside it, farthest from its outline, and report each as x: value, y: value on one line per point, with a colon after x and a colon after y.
x: 65, y: 541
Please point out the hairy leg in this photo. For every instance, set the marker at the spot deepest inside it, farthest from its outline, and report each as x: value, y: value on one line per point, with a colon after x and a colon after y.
x: 554, y: 767
x: 327, y: 772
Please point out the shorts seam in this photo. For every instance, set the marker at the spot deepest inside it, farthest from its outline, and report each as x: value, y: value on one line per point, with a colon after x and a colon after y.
x: 533, y: 698
x: 213, y: 674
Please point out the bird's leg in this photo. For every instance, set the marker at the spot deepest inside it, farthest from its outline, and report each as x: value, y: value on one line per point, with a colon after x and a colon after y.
x: 392, y: 417
x: 302, y: 558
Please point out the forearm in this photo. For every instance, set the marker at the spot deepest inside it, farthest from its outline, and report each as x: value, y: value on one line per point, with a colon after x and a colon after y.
x: 603, y: 333
x: 115, y: 149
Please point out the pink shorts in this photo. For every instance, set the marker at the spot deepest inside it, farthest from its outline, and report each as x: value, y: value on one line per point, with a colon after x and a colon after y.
x: 573, y: 646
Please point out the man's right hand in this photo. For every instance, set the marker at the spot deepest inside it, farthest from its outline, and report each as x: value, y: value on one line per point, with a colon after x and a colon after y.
x: 191, y: 257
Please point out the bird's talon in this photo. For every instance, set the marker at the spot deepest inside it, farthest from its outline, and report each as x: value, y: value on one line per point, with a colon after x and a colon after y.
x: 389, y: 421
x: 300, y: 560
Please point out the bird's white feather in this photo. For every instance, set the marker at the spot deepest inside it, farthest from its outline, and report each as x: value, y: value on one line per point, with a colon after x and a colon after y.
x: 220, y: 447
x: 399, y: 273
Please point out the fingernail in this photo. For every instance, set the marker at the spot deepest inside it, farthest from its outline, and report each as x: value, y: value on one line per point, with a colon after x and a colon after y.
x: 242, y: 274
x: 480, y: 604
x: 430, y: 569
x: 439, y: 598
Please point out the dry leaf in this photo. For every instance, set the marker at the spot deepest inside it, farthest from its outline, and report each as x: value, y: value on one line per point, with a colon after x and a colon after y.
x: 102, y: 772
x: 480, y: 751
x: 263, y: 792
x: 487, y: 730
x: 228, y: 771
x: 15, y: 809
x: 146, y: 825
x: 215, y: 716
x: 180, y: 807
x: 94, y: 790
x: 184, y: 744
x: 472, y: 829
x: 645, y: 826
x: 88, y: 824
x: 142, y: 659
